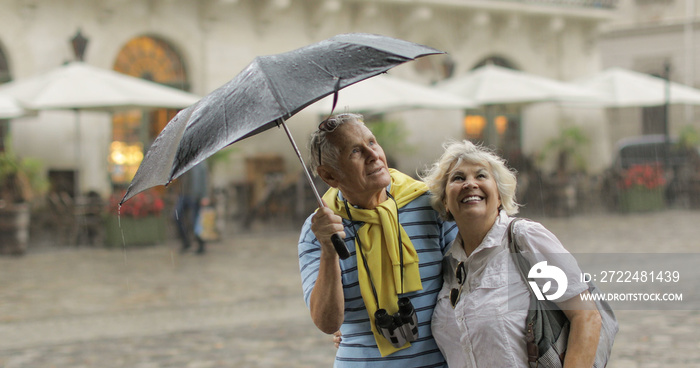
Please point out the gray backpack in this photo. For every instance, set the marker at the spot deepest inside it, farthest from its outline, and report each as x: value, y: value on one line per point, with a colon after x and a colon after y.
x: 548, y: 327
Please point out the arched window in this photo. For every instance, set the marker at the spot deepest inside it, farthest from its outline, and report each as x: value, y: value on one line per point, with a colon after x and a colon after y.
x: 133, y: 131
x: 495, y: 60
x: 152, y: 59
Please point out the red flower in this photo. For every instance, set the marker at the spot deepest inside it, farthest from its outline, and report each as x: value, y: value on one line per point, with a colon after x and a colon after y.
x: 648, y: 176
x: 144, y: 204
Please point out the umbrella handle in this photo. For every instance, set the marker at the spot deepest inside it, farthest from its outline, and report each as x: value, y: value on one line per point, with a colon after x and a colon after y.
x: 337, y: 241
x: 340, y: 247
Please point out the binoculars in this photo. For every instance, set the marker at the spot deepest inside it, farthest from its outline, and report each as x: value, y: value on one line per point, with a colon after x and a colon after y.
x: 400, y: 328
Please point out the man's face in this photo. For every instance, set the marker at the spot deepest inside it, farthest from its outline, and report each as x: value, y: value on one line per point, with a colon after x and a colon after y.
x: 363, y: 168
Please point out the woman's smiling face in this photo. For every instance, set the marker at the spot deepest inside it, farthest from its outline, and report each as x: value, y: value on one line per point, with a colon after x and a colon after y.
x: 472, y: 192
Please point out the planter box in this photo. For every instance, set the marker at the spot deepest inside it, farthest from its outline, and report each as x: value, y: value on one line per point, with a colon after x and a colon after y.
x: 641, y: 199
x: 14, y: 228
x: 137, y: 231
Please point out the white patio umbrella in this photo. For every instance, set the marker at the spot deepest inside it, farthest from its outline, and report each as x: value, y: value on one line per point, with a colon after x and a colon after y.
x: 385, y: 93
x: 9, y: 108
x: 496, y: 85
x: 492, y: 85
x: 78, y: 86
x: 626, y: 88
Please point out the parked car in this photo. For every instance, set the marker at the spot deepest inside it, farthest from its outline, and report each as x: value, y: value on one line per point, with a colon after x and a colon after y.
x: 677, y: 166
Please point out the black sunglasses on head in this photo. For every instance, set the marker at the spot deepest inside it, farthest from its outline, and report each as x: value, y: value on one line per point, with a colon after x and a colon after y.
x: 328, y: 125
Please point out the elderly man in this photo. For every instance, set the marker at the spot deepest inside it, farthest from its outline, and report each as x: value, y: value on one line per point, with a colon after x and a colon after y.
x: 396, y: 242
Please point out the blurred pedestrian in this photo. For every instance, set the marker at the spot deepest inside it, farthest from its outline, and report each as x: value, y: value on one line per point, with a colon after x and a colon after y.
x: 193, y: 196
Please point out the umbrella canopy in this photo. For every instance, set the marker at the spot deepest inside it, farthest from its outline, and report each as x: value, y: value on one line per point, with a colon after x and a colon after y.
x: 385, y: 93
x: 494, y: 85
x: 266, y: 93
x: 77, y: 85
x: 626, y: 88
x: 9, y: 108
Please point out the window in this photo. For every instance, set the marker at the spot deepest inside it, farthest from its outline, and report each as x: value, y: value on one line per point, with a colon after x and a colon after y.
x: 133, y: 131
x: 654, y: 117
x: 495, y: 60
x: 497, y: 126
x: 653, y: 120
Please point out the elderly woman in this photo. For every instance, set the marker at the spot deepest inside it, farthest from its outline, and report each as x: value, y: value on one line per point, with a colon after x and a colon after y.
x: 482, y: 322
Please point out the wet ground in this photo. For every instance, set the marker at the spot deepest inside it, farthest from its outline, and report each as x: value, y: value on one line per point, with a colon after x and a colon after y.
x: 240, y: 304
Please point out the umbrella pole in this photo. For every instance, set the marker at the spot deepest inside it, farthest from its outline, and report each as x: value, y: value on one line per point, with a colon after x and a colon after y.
x: 338, y: 243
x: 303, y: 165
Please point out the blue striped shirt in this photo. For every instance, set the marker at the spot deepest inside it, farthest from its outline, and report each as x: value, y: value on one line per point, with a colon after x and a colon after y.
x: 431, y: 238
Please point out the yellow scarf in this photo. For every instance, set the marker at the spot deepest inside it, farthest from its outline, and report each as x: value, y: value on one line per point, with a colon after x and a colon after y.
x: 379, y: 237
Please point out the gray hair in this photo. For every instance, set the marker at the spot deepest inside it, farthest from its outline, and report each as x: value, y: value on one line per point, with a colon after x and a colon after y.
x: 321, y: 149
x: 457, y: 152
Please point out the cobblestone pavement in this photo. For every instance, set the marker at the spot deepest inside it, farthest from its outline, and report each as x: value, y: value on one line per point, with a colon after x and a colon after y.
x: 240, y: 304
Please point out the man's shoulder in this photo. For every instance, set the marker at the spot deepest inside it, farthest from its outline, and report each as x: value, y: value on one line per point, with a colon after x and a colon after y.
x: 422, y: 200
x: 419, y: 209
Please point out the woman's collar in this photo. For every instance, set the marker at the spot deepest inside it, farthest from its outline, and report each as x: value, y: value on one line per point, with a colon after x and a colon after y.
x: 492, y: 239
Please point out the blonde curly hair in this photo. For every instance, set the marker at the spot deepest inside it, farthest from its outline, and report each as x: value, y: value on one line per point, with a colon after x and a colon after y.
x: 457, y: 152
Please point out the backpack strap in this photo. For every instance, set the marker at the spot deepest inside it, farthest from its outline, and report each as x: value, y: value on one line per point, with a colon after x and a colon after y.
x: 530, y: 339
x: 514, y: 248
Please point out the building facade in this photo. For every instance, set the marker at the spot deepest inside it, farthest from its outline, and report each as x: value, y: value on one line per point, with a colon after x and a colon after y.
x: 659, y: 37
x: 199, y: 45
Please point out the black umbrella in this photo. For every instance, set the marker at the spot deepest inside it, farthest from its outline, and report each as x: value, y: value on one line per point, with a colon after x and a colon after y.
x: 265, y: 94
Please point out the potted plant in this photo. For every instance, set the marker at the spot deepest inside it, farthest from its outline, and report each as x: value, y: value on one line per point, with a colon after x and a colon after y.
x: 139, y: 221
x: 568, y: 150
x: 21, y: 181
x: 642, y: 188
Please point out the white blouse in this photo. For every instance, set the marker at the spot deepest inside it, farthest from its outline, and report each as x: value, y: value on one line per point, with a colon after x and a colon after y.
x: 487, y: 326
